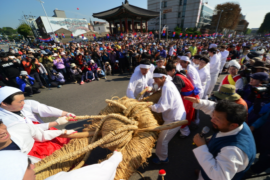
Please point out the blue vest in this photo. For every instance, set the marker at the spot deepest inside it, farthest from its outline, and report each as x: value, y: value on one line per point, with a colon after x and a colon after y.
x: 243, y: 140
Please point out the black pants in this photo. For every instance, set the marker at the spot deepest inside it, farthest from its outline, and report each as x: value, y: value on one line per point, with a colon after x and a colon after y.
x: 12, y: 82
x: 35, y: 75
x: 77, y: 77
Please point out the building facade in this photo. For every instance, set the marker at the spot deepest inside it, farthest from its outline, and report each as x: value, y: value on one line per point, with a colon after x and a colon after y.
x: 179, y: 13
x: 206, y: 16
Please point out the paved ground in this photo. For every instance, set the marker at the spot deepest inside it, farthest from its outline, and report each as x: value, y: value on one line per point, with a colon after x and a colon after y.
x: 88, y: 99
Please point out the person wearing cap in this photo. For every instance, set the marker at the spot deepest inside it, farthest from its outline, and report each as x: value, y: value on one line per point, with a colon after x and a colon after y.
x: 193, y: 49
x: 224, y: 54
x: 59, y: 64
x: 140, y: 80
x: 231, y: 149
x: 94, y: 68
x: 259, y: 66
x: 233, y: 78
x: 214, y: 69
x: 192, y: 75
x: 12, y: 160
x: 76, y: 74
x: 233, y: 52
x: 172, y: 108
x: 9, y: 70
x: 256, y: 80
x: 27, y: 84
x: 15, y: 109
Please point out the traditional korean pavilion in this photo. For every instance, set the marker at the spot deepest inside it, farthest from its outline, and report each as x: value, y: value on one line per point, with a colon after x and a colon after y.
x: 128, y: 17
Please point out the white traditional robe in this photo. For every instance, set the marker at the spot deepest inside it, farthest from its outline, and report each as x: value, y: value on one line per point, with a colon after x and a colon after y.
x: 214, y: 71
x: 229, y: 161
x: 30, y: 108
x: 224, y: 56
x: 151, y: 70
x: 138, y: 83
x: 103, y: 171
x: 193, y: 76
x: 24, y: 135
x: 179, y: 67
x: 204, y: 74
x: 172, y: 108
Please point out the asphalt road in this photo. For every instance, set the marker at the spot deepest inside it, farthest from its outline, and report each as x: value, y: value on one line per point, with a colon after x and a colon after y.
x: 89, y: 99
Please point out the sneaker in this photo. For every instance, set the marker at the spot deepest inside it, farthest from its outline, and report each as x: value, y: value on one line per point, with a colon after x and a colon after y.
x: 75, y: 82
x: 98, y: 79
x: 43, y: 87
x: 81, y: 83
x: 59, y: 86
x: 105, y: 78
x: 157, y: 161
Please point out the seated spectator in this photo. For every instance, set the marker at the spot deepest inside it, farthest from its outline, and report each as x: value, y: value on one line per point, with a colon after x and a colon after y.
x: 87, y: 73
x: 76, y: 74
x: 94, y: 68
x: 87, y: 57
x: 101, y: 73
x: 108, y: 68
x: 27, y: 84
x: 59, y: 64
x: 44, y: 74
x: 31, y: 66
x: 79, y: 60
x: 57, y: 78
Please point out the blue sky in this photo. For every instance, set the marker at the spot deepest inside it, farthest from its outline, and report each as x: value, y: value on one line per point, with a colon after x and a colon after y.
x: 12, y: 10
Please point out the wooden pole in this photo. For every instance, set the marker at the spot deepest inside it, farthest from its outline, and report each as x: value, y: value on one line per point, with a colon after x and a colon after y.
x: 133, y: 27
x: 126, y: 25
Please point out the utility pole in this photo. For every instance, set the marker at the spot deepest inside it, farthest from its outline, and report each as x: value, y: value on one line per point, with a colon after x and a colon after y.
x: 160, y: 3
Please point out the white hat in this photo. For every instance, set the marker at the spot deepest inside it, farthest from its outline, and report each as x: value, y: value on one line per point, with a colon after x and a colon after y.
x: 72, y: 65
x: 62, y: 53
x: 117, y: 61
x: 13, y: 164
x: 235, y: 64
x: 92, y: 61
x: 55, y: 54
x: 7, y: 91
x: 185, y: 58
x: 154, y: 43
x: 23, y: 73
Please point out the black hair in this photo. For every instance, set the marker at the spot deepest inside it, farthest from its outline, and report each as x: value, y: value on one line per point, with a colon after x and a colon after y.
x: 213, y: 50
x: 29, y: 163
x: 145, y: 61
x: 223, y: 47
x: 198, y: 56
x: 10, y: 98
x: 235, y: 113
x: 205, y: 58
x: 170, y: 66
x: 160, y: 70
x: 1, y: 122
x: 160, y: 57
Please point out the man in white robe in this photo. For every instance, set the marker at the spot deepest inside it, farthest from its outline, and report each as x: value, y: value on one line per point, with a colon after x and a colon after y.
x: 25, y: 135
x: 204, y: 74
x: 224, y: 55
x: 192, y: 74
x: 214, y: 68
x: 140, y: 80
x: 172, y: 108
x: 11, y: 160
x: 15, y: 109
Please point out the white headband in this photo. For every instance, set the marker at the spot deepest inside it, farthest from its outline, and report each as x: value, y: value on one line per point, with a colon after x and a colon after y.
x: 144, y: 66
x: 158, y: 75
x: 159, y: 60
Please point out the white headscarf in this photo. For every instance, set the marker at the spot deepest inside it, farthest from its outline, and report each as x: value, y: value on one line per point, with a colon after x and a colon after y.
x: 7, y: 91
x: 13, y: 165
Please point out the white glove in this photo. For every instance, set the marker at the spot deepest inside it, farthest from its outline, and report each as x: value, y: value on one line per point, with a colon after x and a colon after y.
x: 68, y: 132
x: 149, y: 89
x: 62, y: 120
x: 71, y: 115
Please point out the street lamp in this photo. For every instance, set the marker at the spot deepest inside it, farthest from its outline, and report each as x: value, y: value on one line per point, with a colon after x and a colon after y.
x: 41, y: 2
x: 218, y: 21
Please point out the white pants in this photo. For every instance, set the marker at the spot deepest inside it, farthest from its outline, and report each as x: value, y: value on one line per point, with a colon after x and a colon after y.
x: 222, y: 66
x: 164, y: 139
x: 214, y: 78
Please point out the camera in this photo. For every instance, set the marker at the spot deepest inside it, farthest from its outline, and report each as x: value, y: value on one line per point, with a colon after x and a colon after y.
x: 24, y: 77
x: 265, y: 88
x: 213, y: 98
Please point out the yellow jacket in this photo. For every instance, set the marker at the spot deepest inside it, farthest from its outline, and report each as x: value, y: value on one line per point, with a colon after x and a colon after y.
x: 193, y: 50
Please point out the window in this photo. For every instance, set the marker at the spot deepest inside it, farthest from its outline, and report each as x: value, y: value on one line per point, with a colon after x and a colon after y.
x: 179, y: 14
x: 180, y: 2
x: 185, y: 2
x: 183, y: 14
x: 178, y: 25
x: 182, y: 23
x: 164, y: 16
x: 165, y: 4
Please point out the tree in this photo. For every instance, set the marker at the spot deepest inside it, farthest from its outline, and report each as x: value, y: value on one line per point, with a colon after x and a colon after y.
x: 265, y: 26
x: 8, y: 31
x: 229, y: 18
x: 248, y: 31
x: 24, y: 30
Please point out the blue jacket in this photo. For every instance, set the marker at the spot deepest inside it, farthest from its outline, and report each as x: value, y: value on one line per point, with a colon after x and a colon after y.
x: 22, y: 82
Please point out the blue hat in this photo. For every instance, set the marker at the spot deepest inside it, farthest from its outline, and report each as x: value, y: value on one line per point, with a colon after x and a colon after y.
x: 262, y: 76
